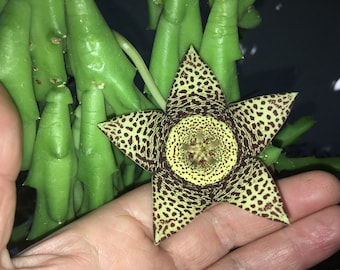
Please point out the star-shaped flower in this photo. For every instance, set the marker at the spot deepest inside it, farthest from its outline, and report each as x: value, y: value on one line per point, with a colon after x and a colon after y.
x: 202, y: 150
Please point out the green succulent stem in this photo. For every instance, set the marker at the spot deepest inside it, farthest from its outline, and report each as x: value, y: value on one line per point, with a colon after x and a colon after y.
x: 220, y: 46
x: 97, y: 61
x: 15, y: 61
x: 179, y: 27
x: 248, y: 15
x: 54, y: 165
x: 292, y: 132
x: 95, y: 157
x: 47, y: 42
x: 270, y: 155
x: 154, y: 11
x: 191, y: 31
x: 285, y: 163
x: 2, y: 4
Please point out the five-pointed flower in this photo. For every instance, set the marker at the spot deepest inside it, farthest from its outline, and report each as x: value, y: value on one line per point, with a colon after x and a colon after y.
x: 202, y: 150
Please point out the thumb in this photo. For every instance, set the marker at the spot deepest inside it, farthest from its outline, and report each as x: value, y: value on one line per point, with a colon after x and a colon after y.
x: 10, y: 157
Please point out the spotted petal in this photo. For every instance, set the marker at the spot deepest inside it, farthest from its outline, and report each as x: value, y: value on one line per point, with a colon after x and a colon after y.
x: 174, y: 204
x: 202, y: 150
x: 257, y: 120
x: 254, y: 190
x: 195, y: 90
x: 139, y: 135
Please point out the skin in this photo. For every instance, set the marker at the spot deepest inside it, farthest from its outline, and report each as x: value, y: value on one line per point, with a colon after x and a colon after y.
x: 119, y: 235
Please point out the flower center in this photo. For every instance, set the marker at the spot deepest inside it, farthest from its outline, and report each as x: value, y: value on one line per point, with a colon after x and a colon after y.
x: 201, y: 149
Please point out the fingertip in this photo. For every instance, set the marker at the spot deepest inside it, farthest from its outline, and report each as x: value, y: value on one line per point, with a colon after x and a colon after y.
x: 309, y: 192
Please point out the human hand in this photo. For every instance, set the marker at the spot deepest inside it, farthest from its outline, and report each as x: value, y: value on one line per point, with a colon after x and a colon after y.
x: 119, y: 235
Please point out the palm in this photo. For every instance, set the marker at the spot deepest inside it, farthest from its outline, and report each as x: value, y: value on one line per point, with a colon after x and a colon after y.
x: 112, y: 237
x: 120, y: 235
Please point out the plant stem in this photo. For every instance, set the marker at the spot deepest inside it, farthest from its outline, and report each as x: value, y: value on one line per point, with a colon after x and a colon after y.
x: 291, y: 133
x: 138, y: 61
x: 270, y: 154
x: 171, y: 43
x: 307, y: 163
x: 220, y: 46
x: 154, y: 10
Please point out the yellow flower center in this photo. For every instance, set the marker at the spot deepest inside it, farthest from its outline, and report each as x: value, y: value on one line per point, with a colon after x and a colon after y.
x: 201, y: 149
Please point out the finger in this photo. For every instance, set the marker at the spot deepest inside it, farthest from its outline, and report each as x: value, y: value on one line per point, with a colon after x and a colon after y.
x: 303, y: 194
x: 309, y: 192
x: 10, y: 143
x: 224, y: 227
x: 10, y: 154
x: 299, y: 246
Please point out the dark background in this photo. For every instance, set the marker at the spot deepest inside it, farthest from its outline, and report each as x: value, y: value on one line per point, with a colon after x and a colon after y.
x: 296, y: 48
